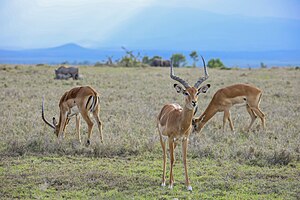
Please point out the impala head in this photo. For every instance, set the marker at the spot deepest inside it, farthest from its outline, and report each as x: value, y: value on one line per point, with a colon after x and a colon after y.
x: 191, y: 93
x: 54, y: 124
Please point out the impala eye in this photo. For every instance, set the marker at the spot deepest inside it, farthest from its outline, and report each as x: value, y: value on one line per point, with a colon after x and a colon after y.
x: 186, y: 94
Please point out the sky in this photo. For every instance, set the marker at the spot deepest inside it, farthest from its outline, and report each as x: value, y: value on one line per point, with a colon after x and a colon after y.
x: 27, y: 24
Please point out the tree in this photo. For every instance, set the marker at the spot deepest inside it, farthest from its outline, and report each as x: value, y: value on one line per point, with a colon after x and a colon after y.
x: 194, y: 56
x: 130, y: 60
x: 127, y: 61
x: 263, y: 65
x: 130, y: 54
x: 109, y: 60
x: 146, y: 60
x: 215, y: 63
x: 178, y: 59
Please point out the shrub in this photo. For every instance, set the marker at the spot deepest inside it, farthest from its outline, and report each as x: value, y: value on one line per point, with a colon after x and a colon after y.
x: 216, y: 63
x: 178, y: 59
x: 263, y: 66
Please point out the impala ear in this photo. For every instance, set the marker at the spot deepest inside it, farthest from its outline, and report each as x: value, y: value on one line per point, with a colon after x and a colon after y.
x: 178, y: 88
x: 203, y: 89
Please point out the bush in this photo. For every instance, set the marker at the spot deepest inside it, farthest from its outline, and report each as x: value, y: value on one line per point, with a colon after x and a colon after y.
x: 216, y: 63
x: 178, y: 59
x: 263, y: 66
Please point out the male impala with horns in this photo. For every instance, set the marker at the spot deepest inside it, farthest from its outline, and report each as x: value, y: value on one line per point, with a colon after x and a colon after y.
x: 175, y: 123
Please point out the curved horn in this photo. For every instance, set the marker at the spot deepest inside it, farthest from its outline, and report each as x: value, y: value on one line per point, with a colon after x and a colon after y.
x: 176, y: 78
x: 43, y: 116
x: 202, y: 79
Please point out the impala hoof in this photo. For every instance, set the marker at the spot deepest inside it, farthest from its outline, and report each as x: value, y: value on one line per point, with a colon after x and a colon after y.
x: 171, y: 187
x: 88, y: 142
x: 189, y: 188
x: 163, y: 184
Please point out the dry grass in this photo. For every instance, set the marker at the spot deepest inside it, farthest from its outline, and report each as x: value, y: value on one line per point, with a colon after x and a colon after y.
x: 130, y: 101
x: 131, y: 98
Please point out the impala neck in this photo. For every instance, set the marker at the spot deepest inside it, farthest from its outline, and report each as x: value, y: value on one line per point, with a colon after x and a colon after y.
x: 209, y: 112
x: 60, y: 119
x: 186, y: 118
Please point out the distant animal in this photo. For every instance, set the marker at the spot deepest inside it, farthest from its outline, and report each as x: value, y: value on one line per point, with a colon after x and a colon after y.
x: 175, y: 123
x: 225, y: 98
x: 63, y: 76
x: 64, y: 72
x: 156, y: 62
x: 79, y: 101
x: 160, y: 63
x: 166, y: 63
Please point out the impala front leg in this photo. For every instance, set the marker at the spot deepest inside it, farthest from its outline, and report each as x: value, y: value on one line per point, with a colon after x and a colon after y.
x: 99, y: 123
x: 62, y: 125
x: 171, y: 148
x: 184, y: 155
x: 67, y: 122
x: 225, y: 118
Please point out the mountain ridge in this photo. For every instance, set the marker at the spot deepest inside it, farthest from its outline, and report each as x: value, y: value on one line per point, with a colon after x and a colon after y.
x: 73, y: 52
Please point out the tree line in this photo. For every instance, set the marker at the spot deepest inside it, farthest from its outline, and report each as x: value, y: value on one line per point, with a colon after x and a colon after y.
x: 130, y: 59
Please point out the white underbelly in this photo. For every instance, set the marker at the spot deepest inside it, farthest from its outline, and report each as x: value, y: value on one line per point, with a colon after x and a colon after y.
x: 165, y: 137
x: 73, y: 111
x: 238, y: 100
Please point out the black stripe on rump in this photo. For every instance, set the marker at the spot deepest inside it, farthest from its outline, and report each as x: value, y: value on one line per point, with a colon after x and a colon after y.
x: 87, y: 103
x: 95, y: 104
x: 92, y: 103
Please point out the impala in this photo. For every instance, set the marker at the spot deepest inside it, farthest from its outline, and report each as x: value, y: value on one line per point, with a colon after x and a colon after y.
x: 78, y: 101
x: 225, y: 98
x: 175, y: 123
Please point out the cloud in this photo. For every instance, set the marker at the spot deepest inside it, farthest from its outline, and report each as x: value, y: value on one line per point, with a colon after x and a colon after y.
x: 53, y: 22
x: 91, y: 23
x: 254, y: 8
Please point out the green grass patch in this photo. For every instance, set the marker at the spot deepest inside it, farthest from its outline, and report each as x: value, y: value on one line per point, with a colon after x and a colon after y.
x: 37, y: 177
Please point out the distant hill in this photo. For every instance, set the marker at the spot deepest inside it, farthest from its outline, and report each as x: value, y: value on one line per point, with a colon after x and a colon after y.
x: 71, y: 53
x: 68, y: 46
x: 76, y: 54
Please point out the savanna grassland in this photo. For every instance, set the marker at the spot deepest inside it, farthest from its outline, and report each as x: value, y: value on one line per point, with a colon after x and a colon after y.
x: 255, y: 165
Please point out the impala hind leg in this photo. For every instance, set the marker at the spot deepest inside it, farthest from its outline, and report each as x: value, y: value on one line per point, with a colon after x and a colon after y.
x: 99, y: 123
x: 163, y: 145
x: 261, y: 115
x: 252, y: 115
x: 78, y: 127
x: 90, y: 124
x: 255, y: 107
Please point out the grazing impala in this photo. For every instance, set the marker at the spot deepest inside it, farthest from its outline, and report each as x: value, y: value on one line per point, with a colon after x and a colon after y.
x: 79, y: 100
x: 175, y: 123
x: 225, y: 98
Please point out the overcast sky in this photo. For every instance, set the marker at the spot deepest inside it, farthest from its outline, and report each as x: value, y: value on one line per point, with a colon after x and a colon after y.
x: 46, y: 23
